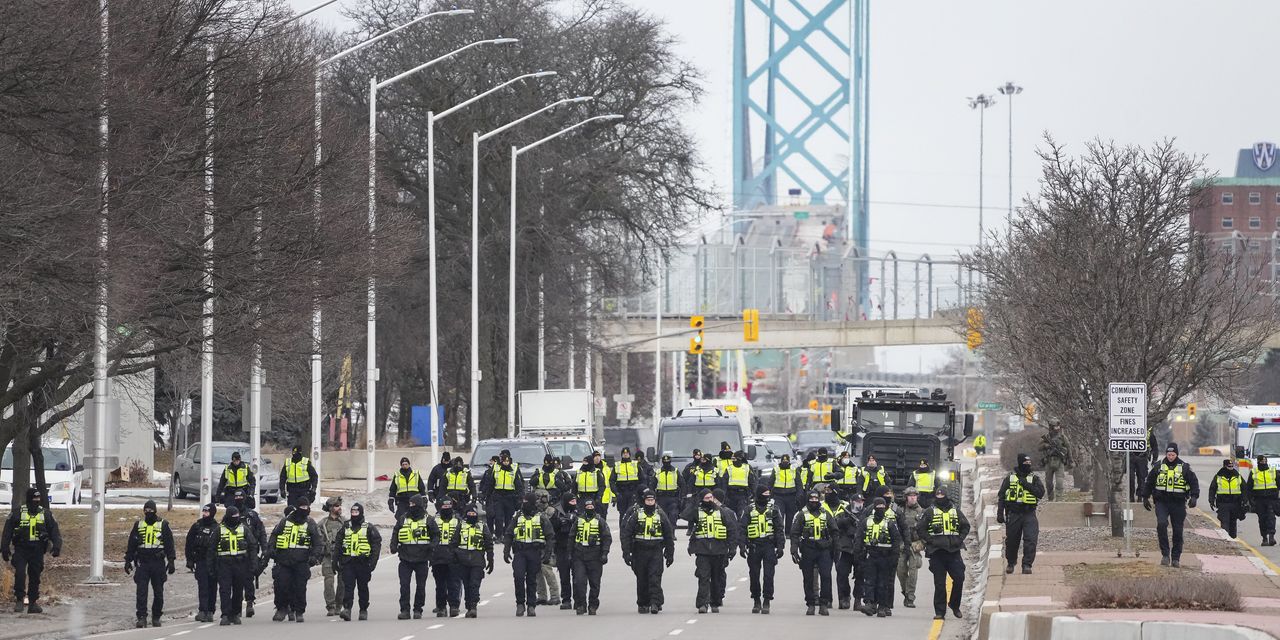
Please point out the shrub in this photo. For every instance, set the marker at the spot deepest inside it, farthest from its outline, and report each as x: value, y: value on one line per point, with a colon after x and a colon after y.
x: 137, y: 471
x: 1175, y: 592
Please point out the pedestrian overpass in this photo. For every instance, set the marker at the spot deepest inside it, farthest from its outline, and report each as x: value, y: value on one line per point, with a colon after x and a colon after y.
x: 639, y: 334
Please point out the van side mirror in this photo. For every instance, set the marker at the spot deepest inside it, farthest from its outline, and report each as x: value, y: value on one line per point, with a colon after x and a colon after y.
x: 650, y: 454
x: 968, y: 424
x: 1241, y: 452
x: 752, y: 451
x: 836, y: 424
x: 79, y: 468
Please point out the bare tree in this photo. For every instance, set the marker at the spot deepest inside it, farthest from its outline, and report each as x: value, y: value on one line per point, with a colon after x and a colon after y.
x: 1101, y: 280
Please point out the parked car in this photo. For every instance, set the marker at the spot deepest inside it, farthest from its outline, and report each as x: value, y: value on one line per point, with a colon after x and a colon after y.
x: 63, y: 470
x: 526, y: 452
x: 186, y: 470
x: 814, y: 439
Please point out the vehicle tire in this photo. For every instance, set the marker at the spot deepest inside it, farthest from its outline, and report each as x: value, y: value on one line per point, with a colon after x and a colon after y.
x: 271, y: 500
x: 177, y: 488
x: 955, y: 490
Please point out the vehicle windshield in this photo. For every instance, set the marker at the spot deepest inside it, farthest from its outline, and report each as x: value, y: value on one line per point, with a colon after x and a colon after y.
x: 575, y: 449
x: 222, y: 455
x: 882, y: 419
x: 1264, y: 444
x: 776, y: 447
x: 932, y: 420
x: 681, y: 441
x: 527, y: 455
x: 814, y: 437
x: 54, y: 459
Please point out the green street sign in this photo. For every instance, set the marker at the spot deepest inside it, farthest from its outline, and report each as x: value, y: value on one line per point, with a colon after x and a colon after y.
x: 801, y: 215
x: 990, y: 406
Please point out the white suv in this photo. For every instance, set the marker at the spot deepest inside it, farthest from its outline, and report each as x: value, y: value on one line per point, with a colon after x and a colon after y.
x: 63, y: 470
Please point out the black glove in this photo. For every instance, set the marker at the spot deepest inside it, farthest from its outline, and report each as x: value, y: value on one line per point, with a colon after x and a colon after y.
x: 671, y: 559
x: 547, y: 558
x: 172, y: 568
x: 56, y: 552
x: 742, y: 550
x: 391, y: 505
x: 732, y: 552
x: 999, y: 517
x: 128, y: 568
x: 626, y: 558
x: 488, y: 567
x: 1191, y: 503
x: 604, y: 559
x: 4, y: 553
x: 506, y: 555
x: 395, y: 547
x: 781, y: 552
x: 191, y: 565
x: 1146, y: 503
x: 795, y: 556
x: 1213, y: 506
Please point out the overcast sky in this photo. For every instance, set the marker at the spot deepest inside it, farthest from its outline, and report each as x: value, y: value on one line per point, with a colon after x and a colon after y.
x: 1135, y: 71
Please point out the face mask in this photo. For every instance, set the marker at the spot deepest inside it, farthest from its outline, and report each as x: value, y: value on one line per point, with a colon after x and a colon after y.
x: 708, y: 464
x: 833, y: 499
x: 822, y: 457
x: 299, y: 516
x: 879, y: 514
x: 708, y: 507
x: 943, y: 502
x: 456, y: 466
x: 571, y: 507
x: 548, y: 468
x: 1025, y: 468
x: 1263, y: 465
x: 232, y: 522
x: 405, y: 472
x: 297, y: 456
x: 666, y: 465
x: 528, y: 508
x: 416, y: 511
x: 650, y: 508
x: 725, y: 455
x: 785, y: 464
x: 204, y: 515
x: 814, y: 505
x: 762, y: 501
x: 589, y: 513
x: 150, y: 517
x: 472, y: 518
x: 357, y: 519
x: 626, y: 457
x: 446, y: 513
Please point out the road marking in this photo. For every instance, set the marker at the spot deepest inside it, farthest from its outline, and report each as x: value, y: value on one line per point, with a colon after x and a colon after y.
x: 731, y: 589
x: 1265, y: 560
x: 435, y: 626
x: 484, y: 602
x: 182, y: 633
x: 935, y: 629
x: 676, y: 632
x: 205, y: 626
x: 407, y: 638
x: 691, y: 621
x: 498, y: 594
x: 742, y: 579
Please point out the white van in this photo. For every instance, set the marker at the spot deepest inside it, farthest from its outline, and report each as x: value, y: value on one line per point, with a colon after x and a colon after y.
x: 63, y: 470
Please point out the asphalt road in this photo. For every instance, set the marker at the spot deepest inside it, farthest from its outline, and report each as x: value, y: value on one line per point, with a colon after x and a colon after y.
x: 497, y: 611
x: 1205, y: 468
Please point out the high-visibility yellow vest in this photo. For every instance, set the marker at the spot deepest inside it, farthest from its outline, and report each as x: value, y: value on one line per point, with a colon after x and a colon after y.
x: 414, y: 532
x: 705, y: 478
x: 840, y: 508
x: 1018, y: 494
x: 529, y: 529
x: 472, y: 537
x: 628, y: 471
x: 759, y: 523
x: 236, y: 478
x: 296, y: 472
x: 925, y: 480
x: 980, y: 441
x: 607, y: 471
x: 740, y: 476
x: 784, y: 478
x: 944, y: 522
x: 866, y: 478
x: 710, y: 526
x: 447, y: 529
x: 459, y: 480
x: 356, y: 542
x: 649, y: 527
x: 818, y: 471
x: 407, y: 485
x: 668, y: 480
x: 545, y: 480
x: 588, y: 482
x: 231, y: 541
x: 588, y: 533
x: 1230, y: 485
x: 504, y: 480
x: 149, y: 535
x: 33, y: 524
x: 293, y: 536
x: 815, y: 526
x: 1171, y: 480
x: 1263, y: 479
x: 723, y: 464
x: 849, y: 477
x: 877, y: 533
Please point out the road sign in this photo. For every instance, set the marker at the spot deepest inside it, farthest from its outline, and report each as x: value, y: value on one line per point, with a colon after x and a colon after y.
x: 1127, y: 416
x: 601, y: 407
x: 990, y: 406
x: 624, y: 411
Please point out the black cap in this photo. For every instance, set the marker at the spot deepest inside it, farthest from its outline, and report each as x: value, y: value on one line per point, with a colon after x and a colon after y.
x: 548, y: 459
x: 150, y: 505
x: 405, y: 461
x: 1022, y: 457
x: 647, y: 493
x: 879, y: 502
x: 232, y: 512
x: 235, y: 455
x: 1173, y: 446
x: 666, y: 457
x: 301, y: 501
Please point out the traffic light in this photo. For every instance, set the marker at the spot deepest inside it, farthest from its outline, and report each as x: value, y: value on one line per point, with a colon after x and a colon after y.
x: 813, y: 404
x: 751, y: 325
x: 695, y: 343
x: 1191, y: 411
x: 973, y: 338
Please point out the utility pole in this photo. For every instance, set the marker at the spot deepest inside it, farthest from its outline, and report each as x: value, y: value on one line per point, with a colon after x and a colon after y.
x: 981, y: 102
x: 1010, y: 90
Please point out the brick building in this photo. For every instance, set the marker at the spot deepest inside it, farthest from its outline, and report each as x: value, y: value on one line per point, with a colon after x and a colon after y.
x: 1242, y: 213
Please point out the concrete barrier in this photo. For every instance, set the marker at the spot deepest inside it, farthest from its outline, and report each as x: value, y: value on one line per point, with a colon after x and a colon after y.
x: 1007, y: 626
x: 1067, y: 628
x: 1192, y: 631
x: 1046, y: 626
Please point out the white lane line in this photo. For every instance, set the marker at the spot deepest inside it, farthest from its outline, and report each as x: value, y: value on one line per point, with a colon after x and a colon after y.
x: 742, y: 579
x: 731, y: 589
x: 182, y: 633
x: 676, y: 632
x: 691, y: 621
x: 407, y: 638
x: 484, y: 602
x: 435, y: 626
x: 205, y: 626
x: 497, y: 595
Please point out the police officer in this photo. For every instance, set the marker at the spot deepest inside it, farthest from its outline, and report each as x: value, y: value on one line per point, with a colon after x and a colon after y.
x: 846, y: 475
x: 548, y: 578
x: 412, y: 539
x: 501, y: 487
x: 1019, y: 494
x: 980, y: 444
x: 819, y: 469
x: 909, y: 560
x: 202, y: 538
x: 713, y: 541
x: 872, y: 478
x: 785, y: 490
x: 528, y: 540
x: 669, y: 487
x: 458, y: 485
x: 253, y: 521
x: 356, y: 551
x: 762, y: 538
x: 588, y: 552
x: 844, y: 548
x: 923, y: 480
x: 1056, y: 454
x: 704, y: 477
x: 1226, y: 496
x: 648, y: 546
x: 447, y: 576
x: 740, y: 483
x: 606, y: 470
x: 694, y: 462
x: 563, y: 521
x: 943, y: 529
x: 811, y: 541
x: 330, y: 528
x: 551, y: 478
x: 1174, y: 487
x: 473, y: 555
x: 296, y: 545
x: 404, y: 485
x: 628, y: 478
x: 299, y: 478
x: 151, y: 551
x: 235, y: 557
x: 590, y: 482
x: 1261, y: 492
x: 436, y: 482
x: 878, y: 540
x: 29, y: 533
x: 236, y: 476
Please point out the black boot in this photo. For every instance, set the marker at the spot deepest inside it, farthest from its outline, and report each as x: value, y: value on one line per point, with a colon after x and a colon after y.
x: 755, y: 605
x: 225, y: 621
x: 248, y: 609
x: 278, y: 617
x: 453, y: 612
x: 298, y: 618
x: 155, y: 621
x: 809, y: 611
x: 566, y: 605
x: 141, y: 622
x: 345, y: 614
x: 471, y: 613
x: 764, y: 609
x: 531, y: 612
x: 404, y: 615
x: 519, y: 610
x: 34, y: 608
x: 364, y: 614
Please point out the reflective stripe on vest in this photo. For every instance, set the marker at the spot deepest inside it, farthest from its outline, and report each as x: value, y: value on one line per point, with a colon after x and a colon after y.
x: 818, y: 471
x: 668, y: 480
x: 723, y: 464
x: 588, y: 533
x: 295, y: 472
x: 814, y: 526
x: 784, y: 478
x: 293, y: 536
x: 545, y: 480
x: 33, y: 524
x: 760, y: 524
x: 472, y: 537
x: 149, y: 534
x: 1171, y: 480
x: 628, y: 471
x: 924, y: 480
x: 944, y: 523
x: 588, y: 482
x: 877, y: 533
x: 414, y: 532
x: 650, y: 526
x: 459, y: 480
x: 504, y: 480
x: 849, y: 477
x: 356, y: 542
x: 407, y: 485
x: 840, y: 508
x: 704, y: 478
x: 1018, y: 494
x: 740, y: 476
x: 710, y: 526
x: 231, y: 541
x: 447, y: 529
x: 1263, y: 479
x: 529, y: 529
x: 866, y: 478
x: 1229, y: 486
x: 236, y: 478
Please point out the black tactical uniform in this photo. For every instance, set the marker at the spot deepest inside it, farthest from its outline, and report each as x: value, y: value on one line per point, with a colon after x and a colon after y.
x: 473, y: 550
x: 648, y: 538
x: 812, y: 533
x: 589, y: 552
x: 444, y: 569
x: 356, y: 551
x: 528, y: 542
x: 29, y: 533
x: 878, y: 541
x: 763, y: 539
x: 296, y: 545
x: 202, y: 541
x: 150, y: 556
x: 234, y: 556
x: 413, y: 539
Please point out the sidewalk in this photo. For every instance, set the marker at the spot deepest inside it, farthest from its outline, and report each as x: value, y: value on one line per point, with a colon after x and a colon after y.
x: 1062, y: 562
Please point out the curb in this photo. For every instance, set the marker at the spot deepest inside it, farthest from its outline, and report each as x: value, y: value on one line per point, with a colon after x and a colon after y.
x: 1022, y: 626
x: 983, y: 535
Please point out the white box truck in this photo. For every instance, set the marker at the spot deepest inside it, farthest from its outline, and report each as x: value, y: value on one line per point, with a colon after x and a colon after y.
x: 562, y: 417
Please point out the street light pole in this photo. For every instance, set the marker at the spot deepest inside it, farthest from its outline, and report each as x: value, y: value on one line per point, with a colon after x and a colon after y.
x: 476, y: 139
x: 97, y: 535
x: 1010, y: 90
x: 981, y: 103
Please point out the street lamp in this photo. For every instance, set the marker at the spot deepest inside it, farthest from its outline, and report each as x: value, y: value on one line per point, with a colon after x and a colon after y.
x: 371, y: 370
x: 1010, y: 90
x: 432, y: 118
x: 516, y: 152
x: 981, y: 102
x: 316, y: 317
x: 476, y: 139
